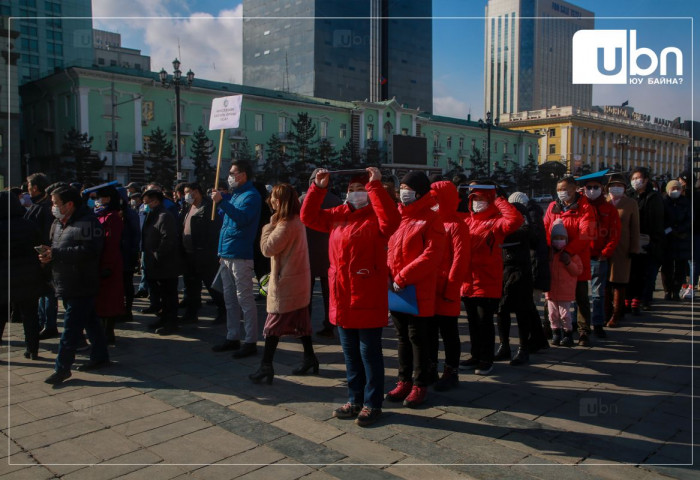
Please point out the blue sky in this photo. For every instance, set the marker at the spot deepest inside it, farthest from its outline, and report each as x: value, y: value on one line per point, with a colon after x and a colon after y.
x: 210, y: 44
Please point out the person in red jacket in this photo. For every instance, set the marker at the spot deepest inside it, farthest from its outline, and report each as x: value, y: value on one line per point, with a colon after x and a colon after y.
x: 415, y: 250
x: 492, y: 219
x: 578, y: 218
x: 359, y: 235
x: 451, y: 273
x: 603, y: 245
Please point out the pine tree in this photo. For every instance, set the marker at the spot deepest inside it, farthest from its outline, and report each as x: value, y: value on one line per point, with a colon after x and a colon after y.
x: 242, y: 152
x: 327, y: 156
x: 302, y: 151
x: 346, y: 159
x: 501, y: 176
x: 373, y: 156
x: 527, y: 178
x: 479, y: 168
x: 276, y: 168
x: 162, y: 159
x: 455, y: 169
x: 87, y: 165
x: 202, y: 150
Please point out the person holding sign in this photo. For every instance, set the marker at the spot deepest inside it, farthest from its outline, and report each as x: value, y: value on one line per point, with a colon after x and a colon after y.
x: 415, y: 254
x: 359, y: 234
x: 241, y: 217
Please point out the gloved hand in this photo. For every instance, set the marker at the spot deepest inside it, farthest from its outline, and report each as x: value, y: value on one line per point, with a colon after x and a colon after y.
x: 396, y: 288
x: 565, y: 258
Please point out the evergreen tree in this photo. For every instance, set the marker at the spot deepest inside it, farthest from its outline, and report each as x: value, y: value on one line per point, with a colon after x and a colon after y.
x: 162, y: 159
x: 373, y: 156
x: 346, y: 159
x: 242, y: 152
x: 527, y: 178
x: 455, y: 169
x: 87, y: 165
x: 276, y: 168
x: 202, y: 150
x: 501, y: 176
x: 479, y: 168
x: 302, y: 151
x: 327, y: 156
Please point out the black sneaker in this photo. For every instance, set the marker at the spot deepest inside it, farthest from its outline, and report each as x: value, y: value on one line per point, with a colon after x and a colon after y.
x: 246, y: 350
x: 58, y: 377
x: 599, y: 332
x: 368, y: 416
x: 349, y: 410
x: 583, y: 341
x: 90, y: 366
x: 470, y: 363
x: 226, y: 345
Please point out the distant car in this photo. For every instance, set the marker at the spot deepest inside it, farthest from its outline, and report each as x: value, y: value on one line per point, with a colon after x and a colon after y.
x: 543, y: 198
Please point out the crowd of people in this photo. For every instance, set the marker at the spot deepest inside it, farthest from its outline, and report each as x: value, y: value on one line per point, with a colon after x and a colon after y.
x: 438, y: 244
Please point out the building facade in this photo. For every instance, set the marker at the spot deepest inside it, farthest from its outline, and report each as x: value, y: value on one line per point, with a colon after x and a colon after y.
x: 528, y: 59
x: 82, y: 98
x: 52, y: 35
x: 607, y: 137
x: 341, y: 50
x: 109, y: 52
x: 9, y: 106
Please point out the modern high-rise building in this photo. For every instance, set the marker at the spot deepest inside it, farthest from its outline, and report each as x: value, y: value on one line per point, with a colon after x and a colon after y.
x: 527, y: 55
x: 47, y: 43
x: 340, y: 50
x: 110, y: 53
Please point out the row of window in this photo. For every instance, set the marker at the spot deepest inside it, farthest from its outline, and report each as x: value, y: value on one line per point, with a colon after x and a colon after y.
x: 436, y: 144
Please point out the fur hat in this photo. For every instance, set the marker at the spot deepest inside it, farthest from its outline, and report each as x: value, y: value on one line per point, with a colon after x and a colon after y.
x: 558, y: 229
x: 418, y: 181
x: 673, y: 184
x: 518, y: 197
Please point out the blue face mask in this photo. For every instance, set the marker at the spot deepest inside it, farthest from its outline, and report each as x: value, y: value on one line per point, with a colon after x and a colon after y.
x: 146, y: 208
x: 91, y: 203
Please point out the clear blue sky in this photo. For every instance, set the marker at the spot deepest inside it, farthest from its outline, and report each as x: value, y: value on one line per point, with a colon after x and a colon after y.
x: 211, y: 47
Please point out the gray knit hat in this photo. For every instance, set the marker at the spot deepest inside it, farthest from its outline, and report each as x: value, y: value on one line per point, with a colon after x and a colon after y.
x: 518, y: 197
x: 558, y: 229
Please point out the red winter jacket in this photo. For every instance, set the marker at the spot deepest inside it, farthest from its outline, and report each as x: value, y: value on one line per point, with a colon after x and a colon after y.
x: 563, y: 287
x: 357, y: 250
x: 455, y: 259
x: 487, y: 230
x: 579, y: 222
x: 415, y: 251
x: 608, y: 226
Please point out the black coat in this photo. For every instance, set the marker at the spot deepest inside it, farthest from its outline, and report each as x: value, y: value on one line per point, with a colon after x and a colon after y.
x: 678, y: 217
x: 161, y: 249
x: 131, y: 239
x: 40, y: 214
x: 205, y: 236
x: 541, y: 274
x: 517, y: 267
x: 23, y: 261
x: 651, y: 220
x: 76, y: 248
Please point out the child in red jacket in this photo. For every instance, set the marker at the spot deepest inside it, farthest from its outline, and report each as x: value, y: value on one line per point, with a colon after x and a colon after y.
x: 565, y: 269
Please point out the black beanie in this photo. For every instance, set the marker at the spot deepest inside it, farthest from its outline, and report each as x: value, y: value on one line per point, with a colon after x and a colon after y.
x: 418, y: 181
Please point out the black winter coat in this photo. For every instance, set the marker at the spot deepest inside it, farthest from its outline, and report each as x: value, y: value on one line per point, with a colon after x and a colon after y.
x: 205, y: 237
x: 541, y: 274
x: 131, y: 239
x: 651, y: 220
x: 22, y: 263
x: 517, y: 267
x: 40, y: 214
x: 161, y: 246
x: 678, y: 217
x: 76, y: 248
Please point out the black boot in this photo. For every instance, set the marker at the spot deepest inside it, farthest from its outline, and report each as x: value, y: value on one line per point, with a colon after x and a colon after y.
x: 433, y: 375
x: 308, y: 363
x: 265, y: 372
x: 503, y: 352
x: 449, y: 379
x: 521, y: 358
x: 109, y: 330
x: 556, y: 336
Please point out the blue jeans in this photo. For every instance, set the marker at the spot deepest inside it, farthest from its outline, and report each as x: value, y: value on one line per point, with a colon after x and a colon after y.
x: 80, y: 314
x: 364, y: 363
x: 48, y: 311
x: 599, y: 277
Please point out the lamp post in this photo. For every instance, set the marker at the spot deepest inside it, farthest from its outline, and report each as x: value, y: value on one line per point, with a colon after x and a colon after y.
x: 487, y: 125
x: 113, y: 146
x: 175, y: 81
x: 623, y: 141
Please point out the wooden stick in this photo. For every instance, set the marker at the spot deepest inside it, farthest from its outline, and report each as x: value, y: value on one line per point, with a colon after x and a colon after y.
x: 218, y: 170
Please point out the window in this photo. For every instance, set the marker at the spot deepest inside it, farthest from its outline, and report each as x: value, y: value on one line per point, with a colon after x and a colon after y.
x: 258, y: 122
x: 370, y: 131
x: 552, y: 148
x: 436, y: 161
x: 27, y: 30
x: 206, y: 115
x: 449, y: 142
x: 473, y: 143
x: 436, y: 140
x: 112, y: 63
x: 54, y: 35
x: 343, y: 130
x: 28, y: 3
x: 107, y: 105
x: 29, y: 44
x: 260, y: 152
x: 529, y: 150
x: 324, y: 129
x: 109, y: 145
x: 552, y: 132
x: 282, y: 124
x: 52, y: 8
x: 515, y: 149
x: 495, y: 147
x: 461, y: 143
x: 54, y: 49
x: 137, y: 66
x: 100, y: 61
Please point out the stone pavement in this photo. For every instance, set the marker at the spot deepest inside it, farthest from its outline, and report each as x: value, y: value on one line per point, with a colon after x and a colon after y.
x: 170, y: 408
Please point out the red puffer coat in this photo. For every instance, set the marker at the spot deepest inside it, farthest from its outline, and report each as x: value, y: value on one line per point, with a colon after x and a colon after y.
x: 580, y: 224
x: 487, y: 230
x: 455, y: 259
x: 357, y: 251
x: 608, y: 226
x: 416, y: 249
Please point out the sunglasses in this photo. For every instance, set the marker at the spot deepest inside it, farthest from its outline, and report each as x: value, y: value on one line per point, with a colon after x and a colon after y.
x: 592, y: 187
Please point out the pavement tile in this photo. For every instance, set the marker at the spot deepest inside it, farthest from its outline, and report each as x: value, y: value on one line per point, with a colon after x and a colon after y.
x: 408, y: 470
x: 478, y: 449
x: 406, y: 422
x: 49, y: 437
x: 423, y: 449
x: 169, y: 431
x: 18, y: 461
x: 45, y: 407
x: 174, y: 396
x: 210, y: 411
x: 221, y: 395
x: 29, y: 473
x: 304, y: 451
x: 106, y: 444
x: 285, y: 469
x: 240, y: 464
x: 550, y: 450
x: 104, y: 398
x: 156, y: 472
x: 308, y: 428
x: 64, y: 457
x: 15, y: 417
x: 128, y: 409
x: 364, y: 451
x: 154, y: 421
x: 260, y: 411
x: 352, y: 472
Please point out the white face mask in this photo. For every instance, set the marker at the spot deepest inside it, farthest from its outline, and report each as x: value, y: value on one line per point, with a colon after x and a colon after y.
x: 189, y: 199
x: 637, y: 183
x: 593, y: 194
x: 407, y: 196
x: 563, y: 196
x: 132, y: 203
x: 479, y: 205
x: 616, y: 192
x: 56, y: 212
x: 232, y: 183
x: 358, y: 199
x: 674, y: 194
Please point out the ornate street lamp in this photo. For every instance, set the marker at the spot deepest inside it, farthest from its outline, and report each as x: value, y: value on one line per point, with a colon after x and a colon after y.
x: 623, y: 141
x: 487, y: 125
x: 175, y: 81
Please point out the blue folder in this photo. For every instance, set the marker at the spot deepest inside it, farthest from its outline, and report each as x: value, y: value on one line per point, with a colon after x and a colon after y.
x: 405, y: 301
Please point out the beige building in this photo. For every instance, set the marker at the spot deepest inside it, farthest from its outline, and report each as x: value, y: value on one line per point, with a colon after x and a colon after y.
x: 607, y: 137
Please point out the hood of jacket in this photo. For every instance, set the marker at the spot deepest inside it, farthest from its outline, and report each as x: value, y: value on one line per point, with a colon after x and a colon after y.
x: 447, y: 198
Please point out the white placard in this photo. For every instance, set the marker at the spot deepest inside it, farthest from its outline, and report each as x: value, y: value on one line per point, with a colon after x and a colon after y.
x: 225, y: 112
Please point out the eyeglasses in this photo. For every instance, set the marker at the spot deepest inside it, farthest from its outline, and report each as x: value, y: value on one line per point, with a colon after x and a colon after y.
x: 592, y: 187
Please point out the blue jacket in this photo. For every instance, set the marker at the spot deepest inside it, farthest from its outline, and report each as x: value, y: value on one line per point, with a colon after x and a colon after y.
x: 241, y: 217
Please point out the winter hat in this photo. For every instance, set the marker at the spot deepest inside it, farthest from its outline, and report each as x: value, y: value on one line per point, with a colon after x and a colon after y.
x: 671, y: 185
x: 418, y: 181
x: 558, y: 229
x: 518, y: 197
x: 617, y: 178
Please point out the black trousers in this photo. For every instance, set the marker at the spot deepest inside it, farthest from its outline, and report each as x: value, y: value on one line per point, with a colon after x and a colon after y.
x: 195, y: 274
x: 325, y: 292
x: 128, y: 281
x: 26, y: 311
x: 413, y: 350
x: 445, y: 327
x: 482, y: 333
x: 164, y: 291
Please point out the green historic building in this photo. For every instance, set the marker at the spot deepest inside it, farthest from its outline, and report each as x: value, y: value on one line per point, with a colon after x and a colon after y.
x: 84, y: 99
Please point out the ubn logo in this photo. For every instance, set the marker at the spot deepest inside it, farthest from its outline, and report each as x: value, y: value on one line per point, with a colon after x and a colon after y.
x: 600, y: 56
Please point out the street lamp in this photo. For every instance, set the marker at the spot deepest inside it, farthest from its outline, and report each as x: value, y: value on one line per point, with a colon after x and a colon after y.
x: 113, y: 146
x: 623, y: 141
x: 175, y: 81
x: 487, y: 125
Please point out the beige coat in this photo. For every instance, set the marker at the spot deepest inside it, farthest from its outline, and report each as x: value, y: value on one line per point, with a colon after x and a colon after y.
x: 629, y: 240
x: 289, y: 288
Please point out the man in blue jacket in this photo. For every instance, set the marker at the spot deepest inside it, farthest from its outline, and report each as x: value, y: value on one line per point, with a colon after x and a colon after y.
x: 241, y: 217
